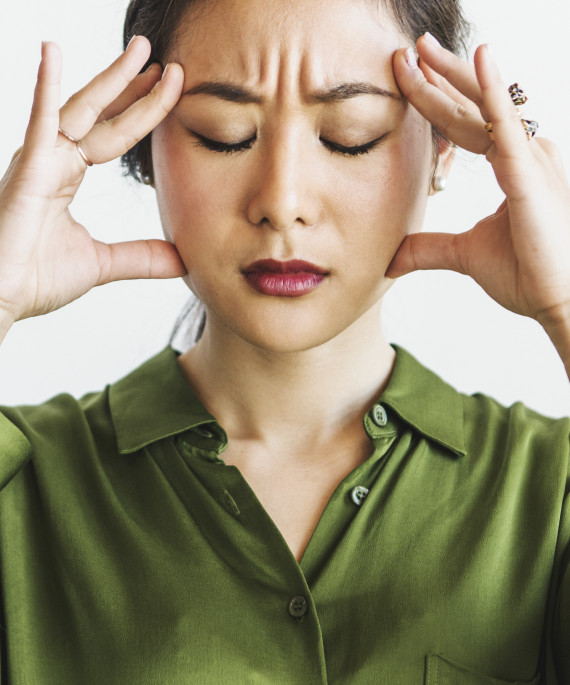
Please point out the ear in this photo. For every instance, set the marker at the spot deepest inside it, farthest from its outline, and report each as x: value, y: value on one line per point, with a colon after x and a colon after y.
x: 442, y: 166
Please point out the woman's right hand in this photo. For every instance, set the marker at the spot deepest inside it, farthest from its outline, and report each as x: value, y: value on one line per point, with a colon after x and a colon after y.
x: 47, y: 259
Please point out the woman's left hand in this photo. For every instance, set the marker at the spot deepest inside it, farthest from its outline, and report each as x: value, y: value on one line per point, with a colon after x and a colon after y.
x: 520, y: 254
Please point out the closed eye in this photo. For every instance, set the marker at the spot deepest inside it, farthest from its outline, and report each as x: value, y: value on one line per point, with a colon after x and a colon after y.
x: 218, y: 146
x: 229, y: 148
x: 353, y: 150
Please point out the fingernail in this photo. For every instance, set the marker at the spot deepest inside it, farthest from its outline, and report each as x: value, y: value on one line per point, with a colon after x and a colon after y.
x: 166, y: 68
x: 432, y: 39
x: 131, y: 41
x: 411, y: 59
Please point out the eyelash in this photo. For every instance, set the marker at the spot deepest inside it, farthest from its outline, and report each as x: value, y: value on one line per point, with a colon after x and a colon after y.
x: 230, y: 148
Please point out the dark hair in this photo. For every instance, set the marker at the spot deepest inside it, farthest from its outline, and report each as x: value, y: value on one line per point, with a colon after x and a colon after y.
x: 162, y: 25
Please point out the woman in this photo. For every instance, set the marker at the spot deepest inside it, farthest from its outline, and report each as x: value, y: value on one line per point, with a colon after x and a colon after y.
x: 346, y: 516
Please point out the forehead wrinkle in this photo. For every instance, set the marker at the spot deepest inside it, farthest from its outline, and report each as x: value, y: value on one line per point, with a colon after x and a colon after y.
x: 288, y: 63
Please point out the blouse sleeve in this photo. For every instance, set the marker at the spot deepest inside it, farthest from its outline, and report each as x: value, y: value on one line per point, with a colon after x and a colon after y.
x: 561, y: 612
x: 15, y: 450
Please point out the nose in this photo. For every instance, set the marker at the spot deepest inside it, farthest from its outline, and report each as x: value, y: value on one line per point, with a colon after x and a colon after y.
x: 285, y: 193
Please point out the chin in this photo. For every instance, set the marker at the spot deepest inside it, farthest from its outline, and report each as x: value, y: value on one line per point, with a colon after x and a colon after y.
x: 291, y: 326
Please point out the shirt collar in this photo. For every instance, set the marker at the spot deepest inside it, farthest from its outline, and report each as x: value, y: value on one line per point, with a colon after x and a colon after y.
x: 425, y: 402
x: 155, y: 401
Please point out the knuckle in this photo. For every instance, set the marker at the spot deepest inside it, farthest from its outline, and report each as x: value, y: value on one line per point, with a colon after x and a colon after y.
x: 421, y: 87
x: 124, y: 78
x: 80, y: 100
x: 129, y: 141
x: 456, y: 112
x: 95, y: 108
x: 158, y: 100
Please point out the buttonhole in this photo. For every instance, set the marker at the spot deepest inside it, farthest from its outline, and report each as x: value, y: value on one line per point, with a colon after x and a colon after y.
x: 231, y: 504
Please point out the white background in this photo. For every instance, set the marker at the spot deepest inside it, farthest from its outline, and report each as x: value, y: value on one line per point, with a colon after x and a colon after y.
x: 443, y: 318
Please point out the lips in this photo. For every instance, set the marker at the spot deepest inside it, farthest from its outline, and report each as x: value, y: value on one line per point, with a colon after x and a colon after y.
x: 293, y: 278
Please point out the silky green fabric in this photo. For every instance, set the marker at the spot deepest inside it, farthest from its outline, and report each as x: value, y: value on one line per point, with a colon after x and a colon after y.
x: 130, y: 553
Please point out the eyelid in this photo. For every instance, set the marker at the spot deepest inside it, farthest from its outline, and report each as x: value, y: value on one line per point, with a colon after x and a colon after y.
x: 228, y: 148
x: 352, y: 150
x: 221, y: 146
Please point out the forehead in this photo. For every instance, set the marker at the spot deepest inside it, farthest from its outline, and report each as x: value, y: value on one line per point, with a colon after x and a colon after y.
x: 256, y: 41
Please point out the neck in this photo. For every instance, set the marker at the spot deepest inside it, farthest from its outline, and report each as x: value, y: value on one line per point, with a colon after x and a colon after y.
x: 270, y: 396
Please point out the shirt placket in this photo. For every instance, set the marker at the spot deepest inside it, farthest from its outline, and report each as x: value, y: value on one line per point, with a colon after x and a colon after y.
x: 250, y: 550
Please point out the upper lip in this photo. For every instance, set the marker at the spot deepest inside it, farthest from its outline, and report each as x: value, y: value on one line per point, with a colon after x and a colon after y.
x: 291, y: 266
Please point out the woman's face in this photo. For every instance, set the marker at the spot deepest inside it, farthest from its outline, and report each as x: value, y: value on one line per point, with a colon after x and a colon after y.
x: 292, y: 144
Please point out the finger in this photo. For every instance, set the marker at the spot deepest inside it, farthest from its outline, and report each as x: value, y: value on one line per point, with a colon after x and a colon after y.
x: 420, y: 251
x: 462, y: 126
x: 113, y: 138
x: 44, y: 119
x: 509, y: 134
x: 513, y: 156
x: 437, y: 80
x: 453, y: 69
x: 138, y: 259
x: 81, y: 111
x: 137, y: 89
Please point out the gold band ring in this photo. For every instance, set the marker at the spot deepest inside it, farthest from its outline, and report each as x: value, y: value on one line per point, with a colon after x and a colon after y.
x: 77, y: 144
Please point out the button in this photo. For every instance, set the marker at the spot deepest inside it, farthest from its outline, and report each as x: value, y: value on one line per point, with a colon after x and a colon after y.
x: 379, y: 416
x: 298, y: 606
x: 359, y: 494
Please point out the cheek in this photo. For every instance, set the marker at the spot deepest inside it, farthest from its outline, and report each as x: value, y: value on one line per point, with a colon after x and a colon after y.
x: 192, y: 198
x: 385, y: 199
x: 367, y: 204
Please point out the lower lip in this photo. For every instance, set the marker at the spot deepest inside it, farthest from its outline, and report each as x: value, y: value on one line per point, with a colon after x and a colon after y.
x: 284, y: 285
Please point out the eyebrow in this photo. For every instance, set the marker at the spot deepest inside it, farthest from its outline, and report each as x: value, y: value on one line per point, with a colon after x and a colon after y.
x: 337, y: 93
x: 345, y: 91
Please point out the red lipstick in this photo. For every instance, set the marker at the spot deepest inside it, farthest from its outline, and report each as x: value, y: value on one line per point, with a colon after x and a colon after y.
x: 284, y: 279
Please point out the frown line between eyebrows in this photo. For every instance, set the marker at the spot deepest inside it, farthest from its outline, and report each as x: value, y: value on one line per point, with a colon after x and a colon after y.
x: 337, y: 93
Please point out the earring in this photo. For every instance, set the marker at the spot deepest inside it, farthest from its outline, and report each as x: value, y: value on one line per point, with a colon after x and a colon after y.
x: 146, y: 179
x: 438, y: 184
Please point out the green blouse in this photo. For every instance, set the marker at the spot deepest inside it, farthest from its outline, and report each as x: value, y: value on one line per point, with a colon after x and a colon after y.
x: 131, y: 554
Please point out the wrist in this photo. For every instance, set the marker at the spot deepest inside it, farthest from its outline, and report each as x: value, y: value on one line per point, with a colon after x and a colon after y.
x: 6, y: 321
x: 556, y: 323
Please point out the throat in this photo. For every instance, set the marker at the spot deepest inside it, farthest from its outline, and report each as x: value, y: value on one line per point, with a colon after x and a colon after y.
x: 284, y: 399
x: 294, y: 488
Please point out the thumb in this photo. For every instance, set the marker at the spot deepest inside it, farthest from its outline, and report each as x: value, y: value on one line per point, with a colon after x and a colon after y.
x: 420, y: 251
x: 139, y: 259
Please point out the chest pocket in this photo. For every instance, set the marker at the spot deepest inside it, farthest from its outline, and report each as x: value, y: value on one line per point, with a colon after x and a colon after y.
x: 440, y: 671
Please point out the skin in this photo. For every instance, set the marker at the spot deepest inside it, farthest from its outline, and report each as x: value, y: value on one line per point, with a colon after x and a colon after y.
x: 289, y: 197
x: 298, y: 373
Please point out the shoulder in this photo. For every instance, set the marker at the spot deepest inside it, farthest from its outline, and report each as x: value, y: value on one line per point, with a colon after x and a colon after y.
x: 515, y: 424
x: 502, y: 472
x: 470, y: 424
x: 515, y: 430
x: 73, y: 438
x: 487, y: 437
x: 58, y: 428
